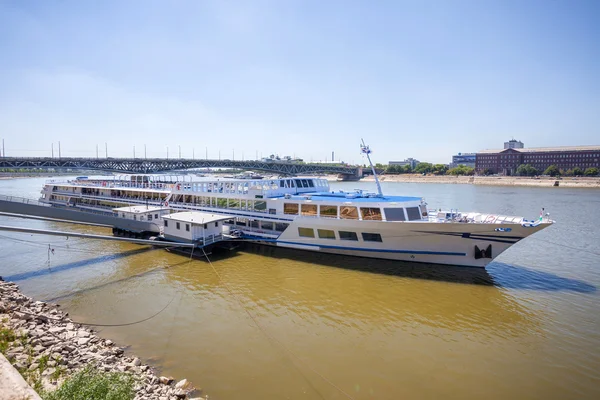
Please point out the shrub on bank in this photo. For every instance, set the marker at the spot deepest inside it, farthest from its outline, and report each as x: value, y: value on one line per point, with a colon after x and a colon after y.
x: 591, y: 171
x: 91, y: 384
x: 461, y: 170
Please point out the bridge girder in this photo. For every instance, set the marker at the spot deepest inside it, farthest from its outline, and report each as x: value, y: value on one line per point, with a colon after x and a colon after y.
x: 158, y: 165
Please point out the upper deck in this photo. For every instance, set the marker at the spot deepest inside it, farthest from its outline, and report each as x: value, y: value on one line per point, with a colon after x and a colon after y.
x: 354, y: 197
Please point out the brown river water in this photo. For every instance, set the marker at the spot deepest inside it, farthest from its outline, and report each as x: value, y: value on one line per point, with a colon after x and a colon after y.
x: 267, y: 323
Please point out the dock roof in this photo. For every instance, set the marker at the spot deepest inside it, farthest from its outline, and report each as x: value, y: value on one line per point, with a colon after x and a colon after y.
x: 197, y: 217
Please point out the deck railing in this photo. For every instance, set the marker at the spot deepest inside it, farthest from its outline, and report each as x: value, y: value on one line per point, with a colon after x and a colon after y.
x: 23, y: 200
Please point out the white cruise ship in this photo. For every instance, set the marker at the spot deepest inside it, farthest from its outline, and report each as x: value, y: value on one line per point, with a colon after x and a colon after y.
x: 303, y: 213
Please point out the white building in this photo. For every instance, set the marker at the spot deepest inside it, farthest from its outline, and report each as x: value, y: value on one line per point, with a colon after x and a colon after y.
x: 193, y: 226
x: 141, y: 213
x: 513, y: 144
x: 409, y: 161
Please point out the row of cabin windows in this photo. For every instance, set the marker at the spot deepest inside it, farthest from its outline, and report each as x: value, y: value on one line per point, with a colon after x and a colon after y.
x: 141, y: 217
x: 296, y: 183
x: 233, y: 204
x: 244, y: 187
x: 343, y: 235
x: 187, y: 226
x: 351, y: 212
x: 265, y: 225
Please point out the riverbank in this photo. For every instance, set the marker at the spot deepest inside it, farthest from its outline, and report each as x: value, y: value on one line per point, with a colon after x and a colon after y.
x: 569, y: 182
x: 46, y: 347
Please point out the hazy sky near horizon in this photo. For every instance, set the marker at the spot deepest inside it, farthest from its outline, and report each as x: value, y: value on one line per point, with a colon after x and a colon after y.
x: 422, y: 79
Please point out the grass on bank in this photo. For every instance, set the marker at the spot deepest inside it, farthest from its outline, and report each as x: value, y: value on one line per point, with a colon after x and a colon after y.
x: 87, y: 384
x: 91, y: 384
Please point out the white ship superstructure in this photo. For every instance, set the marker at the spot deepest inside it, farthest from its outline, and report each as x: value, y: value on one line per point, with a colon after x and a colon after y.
x: 303, y: 213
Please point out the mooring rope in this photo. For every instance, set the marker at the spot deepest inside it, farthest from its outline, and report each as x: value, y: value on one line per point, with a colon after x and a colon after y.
x: 272, y: 338
x: 91, y: 324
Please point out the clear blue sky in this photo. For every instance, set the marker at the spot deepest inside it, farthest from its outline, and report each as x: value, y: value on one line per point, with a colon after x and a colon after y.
x: 423, y: 79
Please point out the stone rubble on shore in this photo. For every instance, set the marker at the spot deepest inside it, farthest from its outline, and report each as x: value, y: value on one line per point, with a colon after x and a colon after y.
x: 49, y: 338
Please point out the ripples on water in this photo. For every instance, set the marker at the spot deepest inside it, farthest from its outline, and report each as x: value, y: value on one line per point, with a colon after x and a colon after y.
x: 525, y: 327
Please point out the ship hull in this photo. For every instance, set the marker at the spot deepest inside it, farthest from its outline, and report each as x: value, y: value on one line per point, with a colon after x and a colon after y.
x: 461, y: 244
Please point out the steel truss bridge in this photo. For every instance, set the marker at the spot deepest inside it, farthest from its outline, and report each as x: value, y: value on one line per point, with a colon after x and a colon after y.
x: 157, y: 165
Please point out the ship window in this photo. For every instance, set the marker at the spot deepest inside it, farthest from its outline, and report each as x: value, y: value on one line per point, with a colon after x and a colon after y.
x: 326, y: 234
x: 308, y: 209
x: 310, y: 183
x: 221, y: 203
x: 234, y: 204
x: 423, y: 210
x: 134, y: 217
x: 281, y: 226
x: 155, y: 216
x: 254, y: 224
x: 216, y: 224
x: 348, y: 212
x: 413, y: 213
x: 266, y: 225
x: 149, y: 217
x: 304, y: 183
x: 306, y: 232
x: 371, y: 237
x: 177, y: 225
x: 205, y: 226
x: 166, y: 223
x: 394, y: 214
x: 123, y: 214
x: 272, y: 211
x: 328, y: 211
x: 348, y: 235
x: 371, y: 214
x: 260, y: 206
x: 298, y: 183
x: 290, y: 208
x: 187, y: 227
x: 281, y: 183
x: 241, y: 222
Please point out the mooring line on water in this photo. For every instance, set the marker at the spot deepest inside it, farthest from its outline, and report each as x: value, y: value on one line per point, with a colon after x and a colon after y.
x: 272, y: 338
x: 176, y: 313
x: 90, y: 324
x: 566, y: 246
x: 40, y: 244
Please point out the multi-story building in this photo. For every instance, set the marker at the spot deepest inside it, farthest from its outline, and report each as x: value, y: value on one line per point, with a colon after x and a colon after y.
x: 466, y: 159
x: 507, y: 161
x: 409, y: 161
x: 513, y: 144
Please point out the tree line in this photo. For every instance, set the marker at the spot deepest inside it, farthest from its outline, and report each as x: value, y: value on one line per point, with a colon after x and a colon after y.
x: 553, y: 170
x: 425, y: 168
x: 441, y: 169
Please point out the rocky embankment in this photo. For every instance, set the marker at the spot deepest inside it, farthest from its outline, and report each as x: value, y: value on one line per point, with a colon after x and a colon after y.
x: 46, y: 347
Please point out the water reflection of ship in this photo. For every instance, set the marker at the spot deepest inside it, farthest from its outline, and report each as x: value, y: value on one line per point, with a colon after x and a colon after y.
x: 396, y: 298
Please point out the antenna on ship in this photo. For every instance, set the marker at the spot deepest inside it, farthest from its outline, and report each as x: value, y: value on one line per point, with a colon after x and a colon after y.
x: 366, y: 150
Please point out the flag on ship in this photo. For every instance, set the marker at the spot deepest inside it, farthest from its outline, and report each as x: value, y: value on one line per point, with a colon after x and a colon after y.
x: 365, y: 149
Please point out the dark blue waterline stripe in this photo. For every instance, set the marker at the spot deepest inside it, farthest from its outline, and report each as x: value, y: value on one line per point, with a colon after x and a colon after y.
x: 439, y: 253
x: 471, y: 234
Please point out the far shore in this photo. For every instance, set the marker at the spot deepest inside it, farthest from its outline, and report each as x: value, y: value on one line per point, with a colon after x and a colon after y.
x: 566, y: 181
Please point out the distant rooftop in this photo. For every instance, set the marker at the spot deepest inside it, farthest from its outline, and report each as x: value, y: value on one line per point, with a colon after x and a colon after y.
x: 543, y: 149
